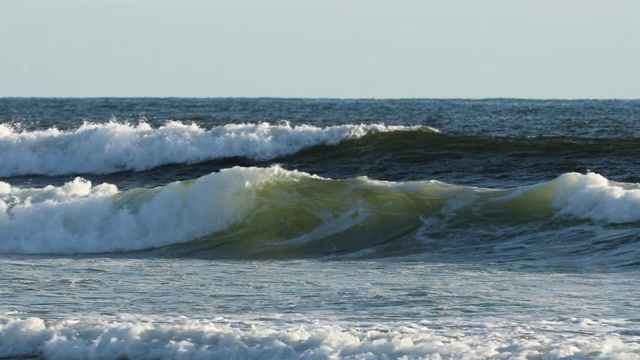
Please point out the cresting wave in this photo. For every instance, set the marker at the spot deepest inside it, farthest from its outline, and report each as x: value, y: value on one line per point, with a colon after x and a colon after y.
x: 112, y: 147
x: 275, y: 213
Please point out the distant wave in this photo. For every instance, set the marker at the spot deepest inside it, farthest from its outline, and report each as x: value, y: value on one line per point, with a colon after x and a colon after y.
x: 112, y: 147
x: 115, y: 147
x: 275, y: 213
x: 434, y: 142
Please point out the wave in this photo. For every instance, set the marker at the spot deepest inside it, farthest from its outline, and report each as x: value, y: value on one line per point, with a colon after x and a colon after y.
x: 177, y: 151
x: 434, y: 145
x: 113, y: 147
x: 138, y: 337
x: 274, y: 213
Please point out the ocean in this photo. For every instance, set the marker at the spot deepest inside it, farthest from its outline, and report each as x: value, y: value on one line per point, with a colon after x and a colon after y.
x: 233, y: 228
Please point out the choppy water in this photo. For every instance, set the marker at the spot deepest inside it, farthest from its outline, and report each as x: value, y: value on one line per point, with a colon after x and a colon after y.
x: 290, y: 228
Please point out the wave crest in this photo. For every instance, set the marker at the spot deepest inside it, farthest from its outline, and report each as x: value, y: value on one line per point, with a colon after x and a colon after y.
x: 112, y: 147
x: 275, y: 213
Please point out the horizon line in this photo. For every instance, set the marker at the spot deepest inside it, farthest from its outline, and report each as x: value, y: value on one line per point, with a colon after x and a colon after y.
x: 323, y: 98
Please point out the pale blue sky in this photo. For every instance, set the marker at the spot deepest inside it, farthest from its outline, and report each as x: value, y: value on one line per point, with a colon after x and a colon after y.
x: 328, y: 48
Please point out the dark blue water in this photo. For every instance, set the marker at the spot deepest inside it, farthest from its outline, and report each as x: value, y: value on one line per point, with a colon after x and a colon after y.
x: 319, y: 228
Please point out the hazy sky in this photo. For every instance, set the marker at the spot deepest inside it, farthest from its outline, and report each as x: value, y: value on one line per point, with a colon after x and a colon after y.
x: 321, y: 48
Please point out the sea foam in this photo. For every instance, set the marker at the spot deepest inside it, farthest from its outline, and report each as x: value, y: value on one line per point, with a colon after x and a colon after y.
x: 81, y: 218
x: 128, y: 337
x: 592, y: 196
x: 112, y: 147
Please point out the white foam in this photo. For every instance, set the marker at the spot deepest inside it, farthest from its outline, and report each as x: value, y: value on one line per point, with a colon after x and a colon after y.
x: 112, y: 147
x: 592, y: 196
x: 181, y: 338
x: 80, y: 218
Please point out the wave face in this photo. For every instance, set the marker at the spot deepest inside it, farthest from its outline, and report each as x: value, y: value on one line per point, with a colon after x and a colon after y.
x: 483, y: 161
x: 273, y: 213
x: 113, y: 147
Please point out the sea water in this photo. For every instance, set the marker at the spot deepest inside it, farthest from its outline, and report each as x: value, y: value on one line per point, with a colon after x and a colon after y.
x: 319, y: 228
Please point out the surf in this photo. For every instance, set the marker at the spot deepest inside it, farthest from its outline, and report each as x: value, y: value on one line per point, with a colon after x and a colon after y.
x: 115, y: 147
x: 292, y: 336
x: 273, y: 213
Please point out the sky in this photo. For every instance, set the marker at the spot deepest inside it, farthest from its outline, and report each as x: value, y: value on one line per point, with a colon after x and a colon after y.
x: 565, y: 49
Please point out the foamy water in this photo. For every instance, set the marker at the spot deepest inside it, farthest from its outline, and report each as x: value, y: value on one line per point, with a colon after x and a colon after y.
x: 148, y: 338
x: 352, y: 229
x: 113, y: 146
x: 296, y: 310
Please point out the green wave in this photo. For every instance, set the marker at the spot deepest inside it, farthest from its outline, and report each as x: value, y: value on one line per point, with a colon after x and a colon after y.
x: 274, y: 213
x: 310, y: 217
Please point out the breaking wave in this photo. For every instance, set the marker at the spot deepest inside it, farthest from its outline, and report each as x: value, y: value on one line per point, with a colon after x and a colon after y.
x: 274, y: 213
x: 113, y: 147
